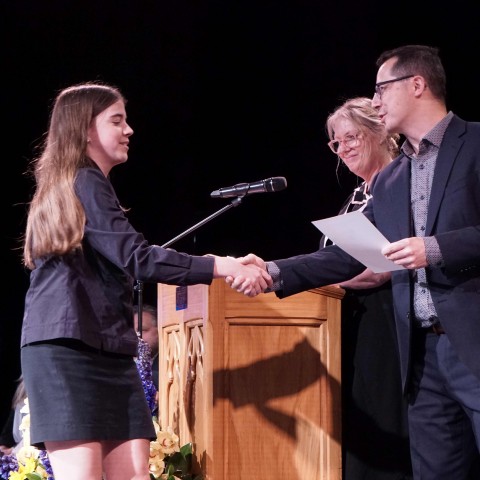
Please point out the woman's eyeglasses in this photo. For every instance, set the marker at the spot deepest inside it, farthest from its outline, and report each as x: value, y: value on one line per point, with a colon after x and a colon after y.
x: 350, y: 141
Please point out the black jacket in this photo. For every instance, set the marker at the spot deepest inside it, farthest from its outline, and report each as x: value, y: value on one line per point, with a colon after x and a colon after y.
x: 88, y: 294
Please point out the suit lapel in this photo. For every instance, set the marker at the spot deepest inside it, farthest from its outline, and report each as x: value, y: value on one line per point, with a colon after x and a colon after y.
x: 447, y: 155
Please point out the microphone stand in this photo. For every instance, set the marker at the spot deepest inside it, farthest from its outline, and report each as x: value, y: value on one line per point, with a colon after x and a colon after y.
x: 234, y: 203
x: 138, y: 287
x: 139, y: 284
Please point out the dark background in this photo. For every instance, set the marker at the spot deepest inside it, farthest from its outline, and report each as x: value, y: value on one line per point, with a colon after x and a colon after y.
x: 220, y: 92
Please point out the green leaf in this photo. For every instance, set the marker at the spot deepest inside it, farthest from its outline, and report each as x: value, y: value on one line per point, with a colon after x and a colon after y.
x: 177, y: 463
x: 33, y: 476
x: 187, y: 449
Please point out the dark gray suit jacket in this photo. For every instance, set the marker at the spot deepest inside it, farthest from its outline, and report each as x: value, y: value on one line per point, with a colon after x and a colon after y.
x: 454, y: 220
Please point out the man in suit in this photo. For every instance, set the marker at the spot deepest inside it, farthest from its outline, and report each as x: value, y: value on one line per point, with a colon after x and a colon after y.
x: 427, y: 204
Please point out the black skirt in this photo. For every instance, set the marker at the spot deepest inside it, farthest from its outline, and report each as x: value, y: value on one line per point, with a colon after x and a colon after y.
x: 76, y: 392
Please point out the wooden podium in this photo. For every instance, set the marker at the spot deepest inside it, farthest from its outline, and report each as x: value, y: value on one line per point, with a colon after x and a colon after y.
x: 254, y: 384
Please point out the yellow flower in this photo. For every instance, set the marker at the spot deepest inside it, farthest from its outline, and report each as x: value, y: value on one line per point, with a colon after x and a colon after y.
x: 155, y: 462
x: 28, y: 462
x: 18, y: 475
x: 29, y: 465
x: 168, y: 441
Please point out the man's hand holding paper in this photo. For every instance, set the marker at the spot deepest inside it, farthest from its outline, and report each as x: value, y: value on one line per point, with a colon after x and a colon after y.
x: 355, y: 234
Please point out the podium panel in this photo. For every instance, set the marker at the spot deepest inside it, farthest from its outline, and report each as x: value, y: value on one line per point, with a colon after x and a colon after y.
x: 253, y: 383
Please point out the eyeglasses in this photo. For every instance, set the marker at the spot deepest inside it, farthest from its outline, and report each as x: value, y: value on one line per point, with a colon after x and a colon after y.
x: 350, y: 141
x: 381, y: 86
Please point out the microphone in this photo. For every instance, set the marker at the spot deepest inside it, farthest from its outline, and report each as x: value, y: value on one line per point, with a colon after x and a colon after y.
x: 273, y: 184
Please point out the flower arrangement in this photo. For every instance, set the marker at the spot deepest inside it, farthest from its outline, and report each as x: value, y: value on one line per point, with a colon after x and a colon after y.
x: 168, y: 461
x: 29, y: 462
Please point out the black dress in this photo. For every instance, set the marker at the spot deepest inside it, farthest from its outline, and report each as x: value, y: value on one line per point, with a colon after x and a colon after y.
x: 374, y: 411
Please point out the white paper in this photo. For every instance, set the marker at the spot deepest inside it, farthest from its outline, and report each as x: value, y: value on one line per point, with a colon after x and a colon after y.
x: 355, y: 234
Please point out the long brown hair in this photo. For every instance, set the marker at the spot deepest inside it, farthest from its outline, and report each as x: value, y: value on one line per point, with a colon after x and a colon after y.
x: 56, y: 219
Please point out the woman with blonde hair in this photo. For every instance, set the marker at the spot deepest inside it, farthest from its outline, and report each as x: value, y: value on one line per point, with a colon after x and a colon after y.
x: 375, y: 429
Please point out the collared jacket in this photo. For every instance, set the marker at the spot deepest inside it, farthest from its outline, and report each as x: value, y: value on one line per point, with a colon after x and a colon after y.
x: 88, y: 294
x: 453, y: 218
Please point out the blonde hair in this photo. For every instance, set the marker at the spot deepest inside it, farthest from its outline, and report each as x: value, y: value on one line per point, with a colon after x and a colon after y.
x: 360, y: 112
x: 56, y: 219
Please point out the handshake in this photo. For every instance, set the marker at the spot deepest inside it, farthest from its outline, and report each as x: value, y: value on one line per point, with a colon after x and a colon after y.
x: 247, y: 275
